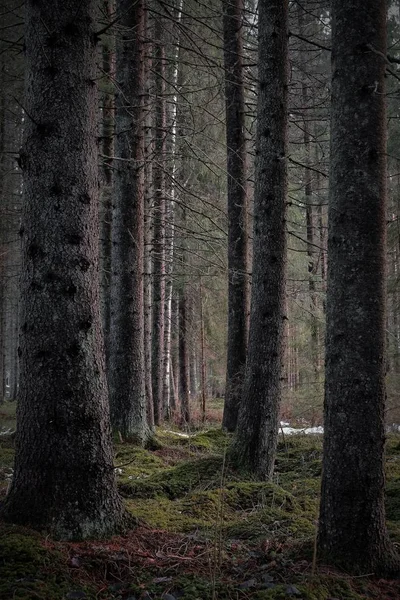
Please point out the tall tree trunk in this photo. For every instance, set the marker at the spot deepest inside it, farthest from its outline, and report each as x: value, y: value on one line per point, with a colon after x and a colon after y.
x: 108, y: 131
x: 159, y: 223
x: 257, y: 429
x: 148, y: 225
x: 352, y: 530
x: 127, y: 378
x: 237, y: 210
x: 64, y: 478
x: 184, y: 380
x: 303, y: 22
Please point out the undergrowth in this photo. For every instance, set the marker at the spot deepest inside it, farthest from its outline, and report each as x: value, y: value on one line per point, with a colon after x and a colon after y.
x: 206, y: 531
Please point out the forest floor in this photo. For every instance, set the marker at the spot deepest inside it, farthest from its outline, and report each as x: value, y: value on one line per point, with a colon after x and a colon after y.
x: 205, y: 532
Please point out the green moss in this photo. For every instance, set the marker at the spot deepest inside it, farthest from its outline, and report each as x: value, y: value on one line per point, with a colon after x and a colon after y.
x: 135, y: 463
x: 27, y: 569
x: 393, y: 500
x: 177, y: 481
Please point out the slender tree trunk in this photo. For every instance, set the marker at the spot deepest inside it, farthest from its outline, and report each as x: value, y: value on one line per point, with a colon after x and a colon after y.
x: 159, y: 224
x: 257, y: 429
x: 127, y: 377
x: 64, y: 478
x: 184, y: 394
x: 148, y: 225
x: 237, y: 210
x: 352, y: 530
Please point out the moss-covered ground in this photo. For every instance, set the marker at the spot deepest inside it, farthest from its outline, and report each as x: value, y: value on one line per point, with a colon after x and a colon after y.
x: 205, y: 530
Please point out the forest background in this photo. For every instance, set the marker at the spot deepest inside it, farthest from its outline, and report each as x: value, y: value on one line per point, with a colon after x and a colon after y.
x: 185, y: 171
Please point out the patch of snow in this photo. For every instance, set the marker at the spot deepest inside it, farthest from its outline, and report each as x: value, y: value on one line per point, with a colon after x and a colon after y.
x: 185, y: 435
x: 8, y: 431
x: 304, y: 431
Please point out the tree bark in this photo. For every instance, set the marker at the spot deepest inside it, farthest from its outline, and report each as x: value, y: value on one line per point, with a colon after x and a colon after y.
x: 237, y: 210
x: 64, y: 478
x: 108, y: 132
x: 184, y: 378
x: 257, y: 430
x: 127, y: 377
x: 352, y: 531
x: 159, y: 224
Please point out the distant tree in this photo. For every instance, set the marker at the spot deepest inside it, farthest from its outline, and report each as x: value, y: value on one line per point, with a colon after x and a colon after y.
x: 257, y: 429
x: 352, y: 530
x: 238, y: 289
x: 127, y: 376
x: 64, y: 477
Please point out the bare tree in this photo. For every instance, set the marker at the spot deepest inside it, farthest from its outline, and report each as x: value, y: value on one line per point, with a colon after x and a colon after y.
x: 237, y: 209
x: 352, y: 530
x: 64, y: 478
x: 257, y: 428
x: 127, y: 377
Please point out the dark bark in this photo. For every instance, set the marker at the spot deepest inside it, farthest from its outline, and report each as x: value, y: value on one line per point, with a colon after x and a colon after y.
x: 237, y: 210
x: 108, y: 131
x: 126, y: 377
x: 184, y: 379
x: 257, y: 429
x: 159, y: 224
x: 64, y: 478
x: 148, y: 226
x: 352, y: 530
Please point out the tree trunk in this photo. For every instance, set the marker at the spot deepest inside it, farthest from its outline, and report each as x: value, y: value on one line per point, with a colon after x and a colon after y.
x: 257, y: 429
x: 127, y: 378
x: 159, y: 224
x: 184, y: 380
x: 237, y: 210
x: 64, y: 478
x: 352, y: 531
x: 108, y: 131
x: 148, y: 227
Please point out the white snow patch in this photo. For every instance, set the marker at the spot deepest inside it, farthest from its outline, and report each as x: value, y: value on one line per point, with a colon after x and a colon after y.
x: 304, y: 431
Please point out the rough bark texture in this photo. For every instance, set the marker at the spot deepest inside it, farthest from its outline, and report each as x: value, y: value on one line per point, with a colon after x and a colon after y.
x: 184, y: 378
x: 237, y: 210
x: 64, y: 478
x: 148, y: 224
x: 257, y: 429
x: 108, y: 131
x: 352, y: 529
x: 126, y: 377
x: 159, y: 224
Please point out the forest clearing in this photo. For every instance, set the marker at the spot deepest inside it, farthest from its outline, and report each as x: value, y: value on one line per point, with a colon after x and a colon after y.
x: 204, y: 530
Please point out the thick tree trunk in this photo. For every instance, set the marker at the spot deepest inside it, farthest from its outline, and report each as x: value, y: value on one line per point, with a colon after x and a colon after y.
x: 127, y: 377
x: 64, y: 478
x: 257, y: 429
x: 237, y: 210
x: 108, y: 131
x: 352, y: 531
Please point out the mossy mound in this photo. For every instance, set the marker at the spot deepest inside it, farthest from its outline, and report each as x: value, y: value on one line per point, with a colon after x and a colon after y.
x: 27, y: 569
x: 135, y: 463
x: 213, y: 441
x: 299, y: 456
x: 177, y: 481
